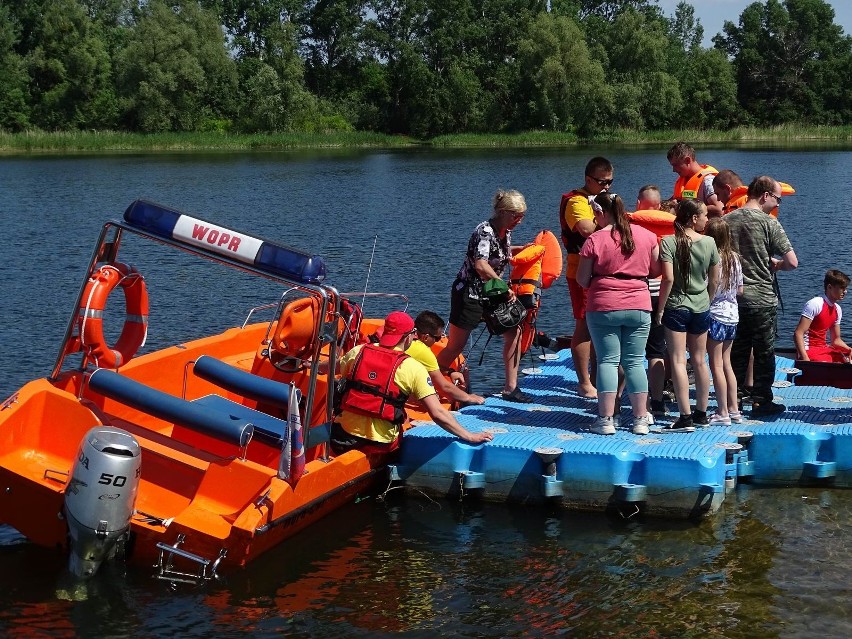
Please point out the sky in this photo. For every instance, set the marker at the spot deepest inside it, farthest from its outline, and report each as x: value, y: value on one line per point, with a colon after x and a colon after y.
x: 713, y: 13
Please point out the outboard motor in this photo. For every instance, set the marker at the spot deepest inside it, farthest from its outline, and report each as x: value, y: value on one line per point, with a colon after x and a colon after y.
x: 100, y: 496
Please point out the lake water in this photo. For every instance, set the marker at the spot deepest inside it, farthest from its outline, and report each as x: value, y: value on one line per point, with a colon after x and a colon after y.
x: 773, y: 563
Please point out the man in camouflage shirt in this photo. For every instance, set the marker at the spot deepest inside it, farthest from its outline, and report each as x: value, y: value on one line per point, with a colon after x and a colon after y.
x: 764, y: 250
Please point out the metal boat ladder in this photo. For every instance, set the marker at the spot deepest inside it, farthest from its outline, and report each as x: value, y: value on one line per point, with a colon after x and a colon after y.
x: 165, y: 564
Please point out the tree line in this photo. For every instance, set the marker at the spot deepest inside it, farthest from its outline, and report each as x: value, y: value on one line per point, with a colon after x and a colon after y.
x: 415, y: 67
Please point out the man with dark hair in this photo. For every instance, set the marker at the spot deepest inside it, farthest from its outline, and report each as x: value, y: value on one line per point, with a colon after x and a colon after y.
x: 817, y: 336
x: 764, y: 249
x: 727, y: 185
x: 429, y: 330
x: 577, y: 221
x: 695, y: 181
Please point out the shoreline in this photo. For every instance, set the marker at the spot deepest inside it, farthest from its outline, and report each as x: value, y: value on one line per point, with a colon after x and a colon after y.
x: 39, y: 142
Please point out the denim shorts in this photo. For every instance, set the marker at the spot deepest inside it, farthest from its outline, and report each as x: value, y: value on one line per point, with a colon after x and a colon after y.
x: 722, y: 332
x: 682, y: 320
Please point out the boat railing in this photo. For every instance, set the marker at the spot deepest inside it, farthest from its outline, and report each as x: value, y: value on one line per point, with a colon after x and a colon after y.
x: 297, y: 271
x: 363, y: 295
x: 262, y: 307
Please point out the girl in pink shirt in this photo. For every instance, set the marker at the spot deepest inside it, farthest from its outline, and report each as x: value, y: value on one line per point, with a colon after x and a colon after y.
x: 615, y: 263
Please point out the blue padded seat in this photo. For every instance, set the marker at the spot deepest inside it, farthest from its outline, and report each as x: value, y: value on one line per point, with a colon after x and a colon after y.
x: 266, y: 427
x: 243, y: 383
x: 225, y: 424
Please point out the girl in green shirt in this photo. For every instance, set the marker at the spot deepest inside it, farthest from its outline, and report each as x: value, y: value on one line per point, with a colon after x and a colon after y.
x: 690, y: 275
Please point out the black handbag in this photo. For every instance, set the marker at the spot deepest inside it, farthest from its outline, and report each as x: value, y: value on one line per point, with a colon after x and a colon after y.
x: 503, y: 316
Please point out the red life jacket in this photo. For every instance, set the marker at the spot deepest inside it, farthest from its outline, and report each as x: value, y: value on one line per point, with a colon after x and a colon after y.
x: 370, y: 386
x: 572, y: 239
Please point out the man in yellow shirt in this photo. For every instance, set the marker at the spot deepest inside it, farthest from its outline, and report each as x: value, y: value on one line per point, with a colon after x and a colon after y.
x: 380, y: 378
x: 429, y: 329
x: 577, y: 222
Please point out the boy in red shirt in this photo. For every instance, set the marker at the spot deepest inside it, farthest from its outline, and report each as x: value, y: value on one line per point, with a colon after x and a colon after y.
x: 821, y: 320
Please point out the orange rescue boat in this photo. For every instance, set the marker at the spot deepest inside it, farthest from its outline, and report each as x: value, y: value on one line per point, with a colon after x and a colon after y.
x: 200, y: 456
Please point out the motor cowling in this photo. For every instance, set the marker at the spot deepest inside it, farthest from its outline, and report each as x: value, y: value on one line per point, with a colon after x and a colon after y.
x: 100, y: 496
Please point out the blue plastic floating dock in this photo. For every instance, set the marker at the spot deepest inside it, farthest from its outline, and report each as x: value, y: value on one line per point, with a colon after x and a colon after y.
x: 544, y: 452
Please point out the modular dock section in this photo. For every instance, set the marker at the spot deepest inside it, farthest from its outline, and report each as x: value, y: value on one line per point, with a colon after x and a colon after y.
x: 544, y: 451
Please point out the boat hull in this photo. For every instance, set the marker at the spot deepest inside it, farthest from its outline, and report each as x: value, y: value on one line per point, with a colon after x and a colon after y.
x: 207, y: 496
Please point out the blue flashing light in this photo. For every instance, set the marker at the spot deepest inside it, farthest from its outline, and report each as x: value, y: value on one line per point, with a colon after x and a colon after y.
x: 152, y: 217
x: 290, y: 263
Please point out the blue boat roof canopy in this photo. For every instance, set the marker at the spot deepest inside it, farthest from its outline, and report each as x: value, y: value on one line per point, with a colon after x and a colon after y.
x: 268, y: 256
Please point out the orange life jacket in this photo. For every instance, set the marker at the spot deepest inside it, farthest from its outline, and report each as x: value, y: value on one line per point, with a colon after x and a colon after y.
x: 687, y: 189
x: 526, y: 269
x: 370, y: 387
x: 660, y: 223
x: 739, y: 196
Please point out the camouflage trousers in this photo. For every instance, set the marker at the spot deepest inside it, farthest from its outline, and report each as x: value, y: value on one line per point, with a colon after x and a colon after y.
x: 756, y: 333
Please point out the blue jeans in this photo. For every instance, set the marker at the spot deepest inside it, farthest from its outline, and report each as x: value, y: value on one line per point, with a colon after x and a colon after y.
x: 620, y: 337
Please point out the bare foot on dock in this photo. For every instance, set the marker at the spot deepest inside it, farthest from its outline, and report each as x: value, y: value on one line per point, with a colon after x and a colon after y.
x: 587, y: 391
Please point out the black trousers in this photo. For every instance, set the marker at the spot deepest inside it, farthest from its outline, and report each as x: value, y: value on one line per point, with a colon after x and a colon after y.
x: 756, y: 333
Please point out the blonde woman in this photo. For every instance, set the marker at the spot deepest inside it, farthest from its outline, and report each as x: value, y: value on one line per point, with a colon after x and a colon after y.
x: 488, y: 253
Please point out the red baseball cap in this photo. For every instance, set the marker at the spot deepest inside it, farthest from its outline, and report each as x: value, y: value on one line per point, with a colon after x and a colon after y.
x: 397, y: 326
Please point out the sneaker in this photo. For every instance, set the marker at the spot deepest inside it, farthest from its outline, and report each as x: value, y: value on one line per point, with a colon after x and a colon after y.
x: 516, y: 396
x: 682, y: 425
x: 718, y: 420
x: 640, y: 424
x: 767, y: 408
x: 736, y: 417
x: 603, y: 426
x: 658, y: 408
x: 699, y: 418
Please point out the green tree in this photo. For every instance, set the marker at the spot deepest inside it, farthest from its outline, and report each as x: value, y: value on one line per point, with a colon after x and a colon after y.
x: 566, y: 89
x: 709, y: 91
x: 175, y: 73
x: 331, y: 41
x: 634, y: 49
x: 14, y: 111
x: 393, y: 40
x: 254, y: 26
x: 705, y: 77
x: 685, y: 28
x: 788, y: 59
x: 69, y: 68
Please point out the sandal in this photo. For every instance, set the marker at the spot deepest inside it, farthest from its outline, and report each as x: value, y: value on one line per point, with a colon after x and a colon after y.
x: 516, y: 396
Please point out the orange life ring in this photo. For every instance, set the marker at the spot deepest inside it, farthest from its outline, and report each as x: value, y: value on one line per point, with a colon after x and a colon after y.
x: 91, y: 322
x: 661, y: 223
x: 739, y: 196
